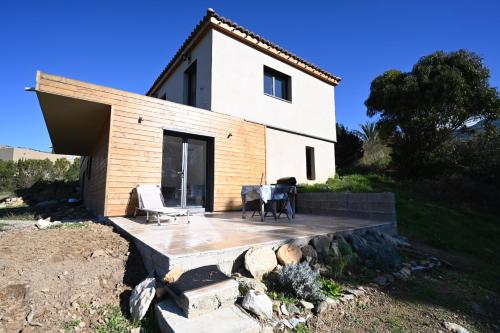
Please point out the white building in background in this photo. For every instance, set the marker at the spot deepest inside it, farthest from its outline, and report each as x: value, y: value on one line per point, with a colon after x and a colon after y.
x: 8, y: 153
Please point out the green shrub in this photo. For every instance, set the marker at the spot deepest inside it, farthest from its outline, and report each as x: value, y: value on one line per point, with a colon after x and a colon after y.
x: 301, y: 328
x: 115, y: 322
x: 352, y: 183
x: 25, y: 173
x: 344, y: 248
x: 376, y: 156
x: 337, y: 263
x: 330, y: 288
x: 298, y: 280
x: 348, y: 148
x: 71, y: 324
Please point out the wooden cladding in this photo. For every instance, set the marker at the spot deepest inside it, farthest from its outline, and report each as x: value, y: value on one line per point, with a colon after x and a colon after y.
x: 132, y: 153
x: 93, y: 179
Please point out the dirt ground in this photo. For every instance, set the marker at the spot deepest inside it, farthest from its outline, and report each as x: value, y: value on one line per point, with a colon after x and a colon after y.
x: 420, y: 304
x: 64, y: 279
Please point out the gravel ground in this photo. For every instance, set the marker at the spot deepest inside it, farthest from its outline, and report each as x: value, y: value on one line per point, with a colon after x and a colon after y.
x: 7, y: 225
x: 421, y: 304
x: 65, y: 279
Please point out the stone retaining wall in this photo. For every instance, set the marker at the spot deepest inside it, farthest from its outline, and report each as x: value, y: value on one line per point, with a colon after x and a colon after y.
x: 376, y: 206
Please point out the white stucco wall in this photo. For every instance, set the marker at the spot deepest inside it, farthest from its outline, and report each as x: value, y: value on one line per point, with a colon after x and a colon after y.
x: 286, y: 157
x: 238, y: 89
x: 230, y: 81
x: 174, y: 85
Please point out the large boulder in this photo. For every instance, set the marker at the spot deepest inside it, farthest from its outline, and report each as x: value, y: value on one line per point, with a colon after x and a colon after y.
x: 246, y: 284
x: 322, y: 245
x: 259, y: 304
x: 334, y: 248
x: 260, y: 261
x: 289, y: 254
x: 376, y: 250
x: 361, y: 247
x: 308, y: 251
x: 141, y: 298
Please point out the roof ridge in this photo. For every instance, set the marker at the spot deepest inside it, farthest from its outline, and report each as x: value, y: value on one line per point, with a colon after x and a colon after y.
x: 206, y: 20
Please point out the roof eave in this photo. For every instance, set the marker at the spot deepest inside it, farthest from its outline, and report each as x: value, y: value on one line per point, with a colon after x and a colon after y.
x: 219, y: 23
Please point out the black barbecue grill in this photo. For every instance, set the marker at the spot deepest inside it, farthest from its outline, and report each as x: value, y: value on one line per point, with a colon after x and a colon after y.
x: 286, y: 185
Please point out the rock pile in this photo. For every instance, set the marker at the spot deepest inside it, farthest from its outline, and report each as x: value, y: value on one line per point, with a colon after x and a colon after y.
x: 376, y: 249
x: 405, y: 272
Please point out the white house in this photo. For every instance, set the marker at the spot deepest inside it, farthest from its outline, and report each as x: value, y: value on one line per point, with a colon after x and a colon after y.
x: 230, y: 109
x: 225, y: 68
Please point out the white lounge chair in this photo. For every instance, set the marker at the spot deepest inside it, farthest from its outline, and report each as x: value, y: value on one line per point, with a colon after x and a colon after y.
x: 151, y: 201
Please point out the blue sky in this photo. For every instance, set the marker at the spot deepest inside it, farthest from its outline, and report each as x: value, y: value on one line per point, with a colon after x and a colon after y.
x: 125, y: 44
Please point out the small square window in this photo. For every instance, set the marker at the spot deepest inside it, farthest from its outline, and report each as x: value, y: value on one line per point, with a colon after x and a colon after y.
x: 277, y: 84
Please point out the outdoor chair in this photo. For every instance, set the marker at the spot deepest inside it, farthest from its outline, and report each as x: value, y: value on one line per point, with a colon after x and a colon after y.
x: 151, y: 201
x: 279, y: 202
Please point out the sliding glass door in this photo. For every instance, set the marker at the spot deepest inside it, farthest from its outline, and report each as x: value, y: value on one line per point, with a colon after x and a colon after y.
x: 185, y: 170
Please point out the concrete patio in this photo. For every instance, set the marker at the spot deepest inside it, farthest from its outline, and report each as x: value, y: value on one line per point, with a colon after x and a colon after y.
x: 222, y: 238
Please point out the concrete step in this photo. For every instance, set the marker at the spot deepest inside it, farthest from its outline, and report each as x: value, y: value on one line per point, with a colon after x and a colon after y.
x: 203, y: 290
x: 229, y: 319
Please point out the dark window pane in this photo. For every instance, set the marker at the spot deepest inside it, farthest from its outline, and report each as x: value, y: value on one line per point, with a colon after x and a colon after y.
x: 279, y: 87
x: 190, y: 85
x: 192, y: 89
x: 310, y: 163
x: 268, y: 84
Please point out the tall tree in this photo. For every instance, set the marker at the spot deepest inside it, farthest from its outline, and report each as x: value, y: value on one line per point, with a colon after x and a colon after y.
x: 369, y: 131
x: 425, y: 106
x: 348, y: 148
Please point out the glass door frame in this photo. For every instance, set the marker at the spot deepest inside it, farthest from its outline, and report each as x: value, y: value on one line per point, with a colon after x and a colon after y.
x: 209, y: 168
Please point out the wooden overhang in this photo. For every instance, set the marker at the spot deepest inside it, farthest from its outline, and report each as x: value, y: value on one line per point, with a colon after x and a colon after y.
x: 74, y: 124
x: 212, y: 20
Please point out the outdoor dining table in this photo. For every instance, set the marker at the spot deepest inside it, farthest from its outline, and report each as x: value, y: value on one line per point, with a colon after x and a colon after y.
x: 266, y: 193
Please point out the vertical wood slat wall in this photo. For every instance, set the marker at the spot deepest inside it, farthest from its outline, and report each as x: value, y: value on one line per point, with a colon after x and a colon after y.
x: 94, y: 187
x: 135, y: 149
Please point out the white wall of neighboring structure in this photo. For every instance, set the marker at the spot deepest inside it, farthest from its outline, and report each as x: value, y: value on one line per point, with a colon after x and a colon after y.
x: 19, y: 153
x: 174, y: 85
x: 286, y: 157
x: 238, y: 89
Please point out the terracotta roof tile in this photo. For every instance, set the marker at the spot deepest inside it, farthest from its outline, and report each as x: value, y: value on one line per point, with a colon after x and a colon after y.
x: 207, y: 20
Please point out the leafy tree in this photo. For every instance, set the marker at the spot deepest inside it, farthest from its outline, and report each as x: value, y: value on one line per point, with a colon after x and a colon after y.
x: 369, y: 131
x: 23, y: 173
x: 424, y: 107
x: 73, y: 172
x: 61, y: 166
x: 7, y: 171
x: 376, y: 153
x: 348, y: 148
x: 31, y: 171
